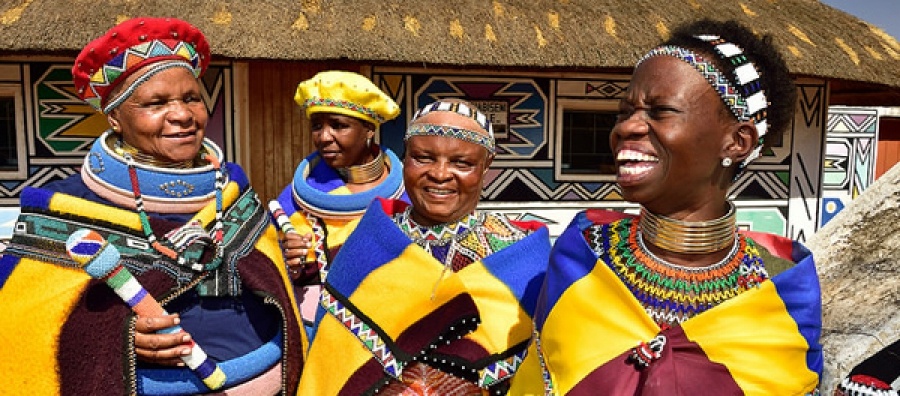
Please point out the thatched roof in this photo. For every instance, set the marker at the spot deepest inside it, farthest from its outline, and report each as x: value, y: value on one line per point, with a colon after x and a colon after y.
x: 817, y: 40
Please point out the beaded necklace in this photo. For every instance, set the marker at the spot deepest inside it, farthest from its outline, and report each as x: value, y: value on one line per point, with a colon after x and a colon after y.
x: 182, y: 239
x: 463, y: 242
x: 441, y: 240
x: 671, y: 294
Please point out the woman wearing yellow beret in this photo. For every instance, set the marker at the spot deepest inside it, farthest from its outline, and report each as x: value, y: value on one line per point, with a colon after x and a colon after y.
x: 333, y: 186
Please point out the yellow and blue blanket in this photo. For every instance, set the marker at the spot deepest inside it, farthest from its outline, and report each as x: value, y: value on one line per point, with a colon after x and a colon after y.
x: 62, y: 332
x: 764, y: 341
x: 388, y: 303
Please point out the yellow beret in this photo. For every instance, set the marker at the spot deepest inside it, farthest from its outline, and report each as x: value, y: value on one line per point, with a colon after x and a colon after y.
x: 346, y: 93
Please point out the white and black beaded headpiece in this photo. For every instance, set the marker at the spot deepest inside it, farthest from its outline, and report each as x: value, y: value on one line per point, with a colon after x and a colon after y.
x: 486, y: 140
x: 743, y: 94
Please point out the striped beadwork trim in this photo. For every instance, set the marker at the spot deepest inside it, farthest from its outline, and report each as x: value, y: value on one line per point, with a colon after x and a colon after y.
x: 459, y: 133
x: 344, y: 104
x: 153, y: 70
x: 370, y: 339
x: 458, y: 108
x: 864, y: 385
x: 500, y: 370
x: 129, y: 59
x: 745, y: 99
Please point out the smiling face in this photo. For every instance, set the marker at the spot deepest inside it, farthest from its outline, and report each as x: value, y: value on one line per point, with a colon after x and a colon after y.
x: 443, y: 175
x: 341, y: 140
x: 671, y: 135
x: 165, y: 117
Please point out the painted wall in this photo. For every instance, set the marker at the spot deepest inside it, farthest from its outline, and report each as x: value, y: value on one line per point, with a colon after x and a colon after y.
x: 850, y: 157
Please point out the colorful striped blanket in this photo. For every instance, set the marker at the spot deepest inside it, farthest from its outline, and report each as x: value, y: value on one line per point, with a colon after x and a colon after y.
x: 764, y: 341
x: 62, y: 332
x: 387, y: 303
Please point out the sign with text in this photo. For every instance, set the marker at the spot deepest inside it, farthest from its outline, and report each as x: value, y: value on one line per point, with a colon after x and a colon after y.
x: 497, y: 112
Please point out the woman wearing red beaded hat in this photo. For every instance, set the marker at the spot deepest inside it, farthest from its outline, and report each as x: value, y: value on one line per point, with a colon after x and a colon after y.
x: 333, y: 186
x: 678, y: 300
x: 186, y: 224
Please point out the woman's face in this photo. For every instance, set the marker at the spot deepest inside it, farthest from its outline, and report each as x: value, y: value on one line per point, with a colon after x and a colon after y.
x: 165, y: 117
x: 443, y: 177
x: 670, y: 138
x: 341, y: 140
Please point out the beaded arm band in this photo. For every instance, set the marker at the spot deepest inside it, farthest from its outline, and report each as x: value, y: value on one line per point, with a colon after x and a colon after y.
x: 745, y: 99
x: 459, y: 133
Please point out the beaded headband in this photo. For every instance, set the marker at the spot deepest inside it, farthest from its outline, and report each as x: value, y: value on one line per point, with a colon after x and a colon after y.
x: 744, y: 97
x: 448, y: 131
x: 463, y: 109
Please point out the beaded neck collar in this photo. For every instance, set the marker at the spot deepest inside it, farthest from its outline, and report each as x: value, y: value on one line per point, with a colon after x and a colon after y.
x: 185, y: 244
x: 164, y: 190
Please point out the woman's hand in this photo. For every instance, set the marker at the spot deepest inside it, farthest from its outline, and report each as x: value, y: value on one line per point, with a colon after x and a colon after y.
x: 162, y: 349
x: 296, y: 247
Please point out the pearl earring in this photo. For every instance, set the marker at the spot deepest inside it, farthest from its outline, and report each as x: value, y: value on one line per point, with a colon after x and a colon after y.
x: 726, y: 162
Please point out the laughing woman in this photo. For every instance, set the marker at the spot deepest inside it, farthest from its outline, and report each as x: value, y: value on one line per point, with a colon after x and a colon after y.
x: 187, y: 226
x: 677, y: 300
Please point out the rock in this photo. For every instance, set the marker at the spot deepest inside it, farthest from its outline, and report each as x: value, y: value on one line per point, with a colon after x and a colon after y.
x: 858, y: 259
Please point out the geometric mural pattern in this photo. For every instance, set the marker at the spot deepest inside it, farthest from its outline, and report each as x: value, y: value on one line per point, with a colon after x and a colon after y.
x: 849, y: 164
x: 517, y: 109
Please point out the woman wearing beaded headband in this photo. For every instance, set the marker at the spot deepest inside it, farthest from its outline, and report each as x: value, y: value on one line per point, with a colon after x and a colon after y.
x: 185, y: 223
x: 333, y: 186
x: 677, y: 300
x: 434, y: 297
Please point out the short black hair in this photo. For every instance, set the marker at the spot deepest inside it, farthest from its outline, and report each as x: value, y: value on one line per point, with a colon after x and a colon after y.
x: 775, y: 79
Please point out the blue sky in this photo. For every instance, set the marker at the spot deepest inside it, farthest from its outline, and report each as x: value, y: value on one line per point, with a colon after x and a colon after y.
x: 882, y: 13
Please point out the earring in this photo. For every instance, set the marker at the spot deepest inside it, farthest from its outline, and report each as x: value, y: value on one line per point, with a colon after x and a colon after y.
x: 726, y: 162
x: 368, y: 142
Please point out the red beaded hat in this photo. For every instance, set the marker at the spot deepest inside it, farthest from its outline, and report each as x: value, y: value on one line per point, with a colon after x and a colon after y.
x: 131, y: 45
